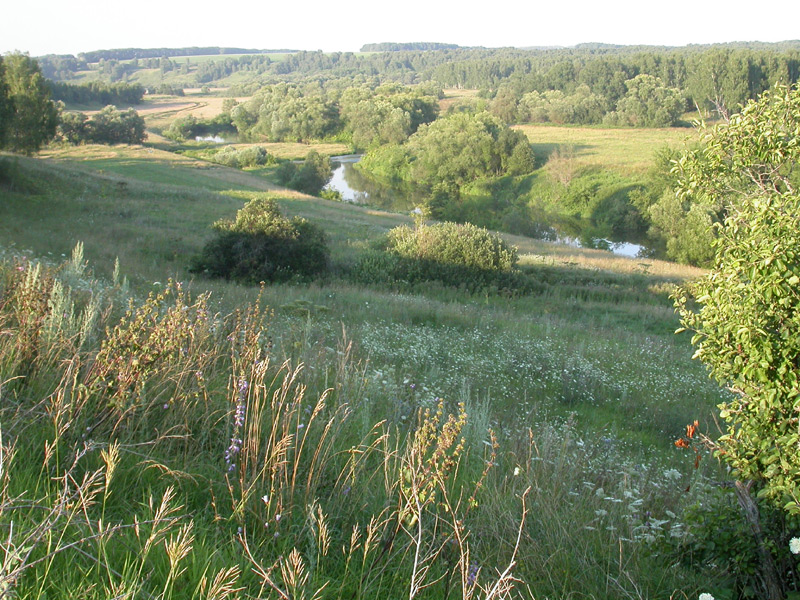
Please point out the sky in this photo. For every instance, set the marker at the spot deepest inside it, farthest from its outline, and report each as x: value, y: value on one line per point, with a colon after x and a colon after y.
x: 61, y: 27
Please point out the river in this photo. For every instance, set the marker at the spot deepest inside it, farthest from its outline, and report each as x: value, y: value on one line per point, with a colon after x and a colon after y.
x: 356, y: 187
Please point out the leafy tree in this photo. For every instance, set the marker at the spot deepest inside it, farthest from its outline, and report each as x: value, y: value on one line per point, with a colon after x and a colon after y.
x: 109, y: 126
x: 582, y: 107
x: 747, y: 328
x: 648, y: 103
x: 463, y: 147
x: 6, y: 109
x: 719, y: 79
x: 112, y: 126
x: 33, y: 119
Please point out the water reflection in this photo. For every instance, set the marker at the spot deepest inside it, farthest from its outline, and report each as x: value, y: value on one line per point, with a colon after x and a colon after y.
x: 356, y: 187
x: 209, y: 138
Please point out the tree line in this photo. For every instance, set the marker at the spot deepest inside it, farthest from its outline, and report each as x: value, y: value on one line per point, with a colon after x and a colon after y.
x: 405, y: 47
x: 97, y: 92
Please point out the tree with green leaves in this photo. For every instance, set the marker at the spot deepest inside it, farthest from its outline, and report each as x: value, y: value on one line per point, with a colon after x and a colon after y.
x: 6, y: 109
x: 747, y: 321
x: 33, y: 116
x: 648, y: 103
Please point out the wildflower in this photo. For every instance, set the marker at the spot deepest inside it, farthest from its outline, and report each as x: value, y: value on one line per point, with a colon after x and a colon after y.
x: 516, y: 471
x: 705, y: 596
x: 235, y: 445
x: 472, y: 576
x: 794, y: 545
x: 265, y: 499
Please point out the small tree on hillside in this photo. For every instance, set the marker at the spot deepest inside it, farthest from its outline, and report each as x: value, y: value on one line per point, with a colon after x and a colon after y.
x: 747, y: 328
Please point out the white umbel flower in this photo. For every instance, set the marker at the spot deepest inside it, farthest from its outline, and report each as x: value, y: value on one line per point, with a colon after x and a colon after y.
x: 794, y: 545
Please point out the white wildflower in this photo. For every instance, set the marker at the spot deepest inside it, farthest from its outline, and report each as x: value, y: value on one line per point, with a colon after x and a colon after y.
x: 705, y: 596
x: 794, y: 545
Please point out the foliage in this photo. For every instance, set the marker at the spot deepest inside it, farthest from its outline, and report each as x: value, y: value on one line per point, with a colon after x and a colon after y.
x: 239, y: 158
x: 449, y: 153
x: 385, y: 115
x: 108, y: 126
x: 747, y: 328
x: 648, y: 103
x: 309, y: 178
x: 717, y: 540
x: 554, y: 106
x: 98, y: 92
x: 263, y: 245
x: 463, y: 147
x: 286, y: 113
x: 31, y: 117
x: 189, y: 127
x: 453, y: 254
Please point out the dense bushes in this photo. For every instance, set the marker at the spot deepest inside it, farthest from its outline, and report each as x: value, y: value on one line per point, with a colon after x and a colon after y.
x: 252, y: 156
x: 263, y: 245
x: 456, y: 255
x: 97, y: 92
x: 109, y: 126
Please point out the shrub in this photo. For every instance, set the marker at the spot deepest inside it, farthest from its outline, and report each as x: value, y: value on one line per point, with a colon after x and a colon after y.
x: 263, y: 245
x: 454, y: 244
x: 456, y: 255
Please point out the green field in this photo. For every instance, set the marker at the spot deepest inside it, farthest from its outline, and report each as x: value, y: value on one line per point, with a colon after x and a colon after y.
x: 628, y: 151
x: 583, y: 384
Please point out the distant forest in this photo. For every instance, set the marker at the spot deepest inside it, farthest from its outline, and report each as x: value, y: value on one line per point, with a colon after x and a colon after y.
x: 581, y: 85
x: 409, y: 46
x: 130, y: 53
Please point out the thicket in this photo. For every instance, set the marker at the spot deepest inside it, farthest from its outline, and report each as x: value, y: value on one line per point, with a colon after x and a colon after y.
x: 190, y: 127
x: 250, y: 156
x: 97, y: 92
x: 263, y: 245
x: 451, y: 152
x: 108, y: 126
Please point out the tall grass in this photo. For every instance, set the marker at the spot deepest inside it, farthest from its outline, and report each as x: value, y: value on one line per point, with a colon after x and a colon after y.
x: 151, y: 447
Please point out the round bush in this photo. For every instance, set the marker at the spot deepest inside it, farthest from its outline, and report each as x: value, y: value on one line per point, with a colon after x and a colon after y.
x: 263, y: 245
x: 462, y: 245
x: 463, y: 256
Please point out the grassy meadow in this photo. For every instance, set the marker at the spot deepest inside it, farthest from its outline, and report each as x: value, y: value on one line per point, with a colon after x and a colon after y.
x: 628, y: 151
x: 167, y: 436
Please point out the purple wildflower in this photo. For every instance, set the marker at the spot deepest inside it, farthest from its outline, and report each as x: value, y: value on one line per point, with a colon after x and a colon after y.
x: 472, y: 576
x: 238, y: 422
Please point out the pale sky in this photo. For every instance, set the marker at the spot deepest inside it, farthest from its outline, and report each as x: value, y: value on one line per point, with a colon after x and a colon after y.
x: 62, y: 27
